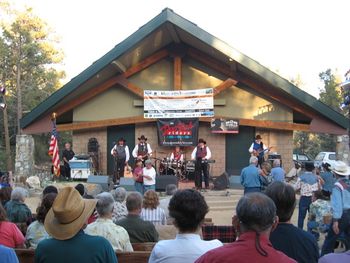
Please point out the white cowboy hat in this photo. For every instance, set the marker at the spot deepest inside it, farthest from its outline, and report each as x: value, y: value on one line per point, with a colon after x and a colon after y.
x: 340, y: 168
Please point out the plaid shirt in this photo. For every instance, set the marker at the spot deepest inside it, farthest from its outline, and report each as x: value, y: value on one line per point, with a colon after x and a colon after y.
x: 226, y: 234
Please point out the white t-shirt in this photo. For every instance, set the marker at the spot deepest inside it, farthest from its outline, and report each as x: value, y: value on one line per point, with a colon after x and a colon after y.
x: 150, y: 172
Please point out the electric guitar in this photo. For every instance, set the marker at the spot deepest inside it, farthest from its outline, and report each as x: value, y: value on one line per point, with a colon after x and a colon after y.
x: 258, y: 152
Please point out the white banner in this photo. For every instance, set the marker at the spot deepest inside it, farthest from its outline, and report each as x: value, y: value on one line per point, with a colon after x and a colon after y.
x: 178, y: 103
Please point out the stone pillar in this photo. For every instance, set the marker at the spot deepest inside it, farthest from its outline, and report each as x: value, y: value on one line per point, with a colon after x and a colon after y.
x: 24, y: 163
x: 343, y: 152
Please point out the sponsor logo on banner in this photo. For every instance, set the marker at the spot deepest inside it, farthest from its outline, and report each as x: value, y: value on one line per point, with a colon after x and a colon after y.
x: 224, y: 126
x: 179, y: 103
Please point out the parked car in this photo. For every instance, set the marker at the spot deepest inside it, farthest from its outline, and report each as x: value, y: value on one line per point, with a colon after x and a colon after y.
x: 301, y: 158
x: 325, y: 157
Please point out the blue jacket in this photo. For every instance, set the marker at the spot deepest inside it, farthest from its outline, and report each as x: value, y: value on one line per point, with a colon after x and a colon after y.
x: 329, y: 181
x: 250, y: 176
x: 340, y: 198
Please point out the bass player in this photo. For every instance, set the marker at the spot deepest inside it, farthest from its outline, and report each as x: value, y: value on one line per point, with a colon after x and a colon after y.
x: 259, y: 149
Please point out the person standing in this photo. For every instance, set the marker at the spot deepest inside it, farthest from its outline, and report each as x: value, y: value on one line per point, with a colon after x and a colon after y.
x: 121, y: 155
x: 340, y: 202
x: 67, y: 155
x: 137, y: 175
x: 149, y: 176
x: 201, y: 154
x: 250, y: 178
x: 142, y: 150
x: 328, y: 178
x: 258, y: 149
x: 277, y: 172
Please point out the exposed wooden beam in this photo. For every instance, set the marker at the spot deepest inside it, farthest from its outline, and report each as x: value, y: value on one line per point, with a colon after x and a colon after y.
x: 102, y: 123
x: 224, y: 85
x: 177, y: 73
x: 133, y: 88
x: 92, y: 93
x: 287, y: 126
x: 146, y: 62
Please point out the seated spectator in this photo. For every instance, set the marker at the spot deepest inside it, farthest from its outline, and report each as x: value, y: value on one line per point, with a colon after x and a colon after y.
x: 36, y: 231
x: 64, y: 223
x: 104, y: 226
x: 139, y: 230
x: 10, y: 235
x: 320, y: 210
x: 335, y: 258
x: 265, y: 175
x: 277, y: 172
x: 170, y: 190
x: 292, y: 241
x: 151, y: 210
x: 81, y: 189
x: 254, y: 220
x: 8, y: 255
x: 119, y: 210
x: 5, y: 194
x: 188, y: 209
x: 50, y: 189
x: 17, y: 211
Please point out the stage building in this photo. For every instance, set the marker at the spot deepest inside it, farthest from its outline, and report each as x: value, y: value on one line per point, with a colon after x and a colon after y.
x: 169, y: 52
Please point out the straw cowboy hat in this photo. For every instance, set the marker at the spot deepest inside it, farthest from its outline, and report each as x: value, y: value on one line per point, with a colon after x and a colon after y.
x: 68, y: 214
x: 340, y: 168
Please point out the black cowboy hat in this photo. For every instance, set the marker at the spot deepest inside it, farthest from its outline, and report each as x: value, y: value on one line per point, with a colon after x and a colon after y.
x: 142, y: 138
x: 202, y: 141
x: 258, y: 137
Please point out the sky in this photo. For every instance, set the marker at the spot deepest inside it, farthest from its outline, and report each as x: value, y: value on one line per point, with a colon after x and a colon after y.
x: 294, y: 38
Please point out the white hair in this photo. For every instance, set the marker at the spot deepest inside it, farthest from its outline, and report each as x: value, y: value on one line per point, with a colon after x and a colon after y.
x: 19, y: 194
x: 105, y: 203
x: 276, y: 163
x: 253, y: 160
x: 119, y: 194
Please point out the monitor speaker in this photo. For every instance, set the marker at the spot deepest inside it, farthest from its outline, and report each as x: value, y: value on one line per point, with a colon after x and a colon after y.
x: 163, y: 180
x: 127, y: 183
x: 102, y: 180
x: 222, y: 182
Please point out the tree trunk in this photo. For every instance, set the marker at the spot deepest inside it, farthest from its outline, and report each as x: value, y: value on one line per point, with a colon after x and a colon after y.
x: 19, y: 95
x: 7, y: 139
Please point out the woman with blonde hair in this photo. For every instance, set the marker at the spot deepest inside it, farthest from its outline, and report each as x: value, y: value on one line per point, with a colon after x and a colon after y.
x: 151, y: 210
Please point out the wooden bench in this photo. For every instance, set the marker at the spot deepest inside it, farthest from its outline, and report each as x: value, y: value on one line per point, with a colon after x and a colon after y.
x: 148, y: 246
x: 27, y: 256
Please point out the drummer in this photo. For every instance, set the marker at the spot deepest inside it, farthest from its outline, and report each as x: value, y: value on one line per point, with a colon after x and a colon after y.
x: 177, y: 155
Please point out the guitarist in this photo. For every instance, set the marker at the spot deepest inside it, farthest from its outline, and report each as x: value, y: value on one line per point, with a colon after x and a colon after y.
x: 142, y: 150
x: 258, y: 149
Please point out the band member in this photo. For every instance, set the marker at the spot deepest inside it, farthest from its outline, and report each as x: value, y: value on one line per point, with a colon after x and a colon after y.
x: 142, y: 150
x: 121, y: 154
x: 258, y: 149
x: 67, y: 155
x: 201, y: 154
x: 177, y: 155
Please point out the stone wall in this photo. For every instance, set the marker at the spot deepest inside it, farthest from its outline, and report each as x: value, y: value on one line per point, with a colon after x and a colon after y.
x: 343, y: 151
x: 282, y: 143
x: 80, y: 143
x: 24, y: 164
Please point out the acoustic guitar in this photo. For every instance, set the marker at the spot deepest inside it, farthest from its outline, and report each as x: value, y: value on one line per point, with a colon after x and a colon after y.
x: 256, y: 153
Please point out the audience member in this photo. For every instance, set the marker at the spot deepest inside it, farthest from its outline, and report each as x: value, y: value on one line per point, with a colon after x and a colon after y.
x: 320, y: 210
x: 139, y: 230
x: 64, y: 223
x: 36, y: 231
x: 10, y: 235
x: 8, y: 255
x: 81, y: 189
x: 137, y: 175
x: 328, y: 178
x: 17, y: 211
x: 277, y: 172
x: 307, y: 183
x: 104, y: 226
x: 188, y: 208
x: 50, y: 189
x: 170, y: 190
x: 151, y: 210
x: 149, y: 176
x: 340, y: 202
x: 265, y: 175
x: 255, y: 218
x: 292, y: 241
x: 250, y: 177
x: 119, y: 210
x: 5, y: 194
x: 336, y: 258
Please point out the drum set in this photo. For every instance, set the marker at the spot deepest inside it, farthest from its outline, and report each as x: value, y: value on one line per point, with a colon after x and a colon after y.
x: 183, y: 170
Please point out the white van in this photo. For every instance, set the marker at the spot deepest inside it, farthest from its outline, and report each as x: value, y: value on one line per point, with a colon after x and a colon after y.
x: 325, y: 157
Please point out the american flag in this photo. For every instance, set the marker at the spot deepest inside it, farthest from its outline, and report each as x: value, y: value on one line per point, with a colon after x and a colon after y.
x: 53, y: 150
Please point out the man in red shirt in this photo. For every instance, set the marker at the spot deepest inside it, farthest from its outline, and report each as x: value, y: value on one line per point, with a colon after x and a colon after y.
x: 254, y: 220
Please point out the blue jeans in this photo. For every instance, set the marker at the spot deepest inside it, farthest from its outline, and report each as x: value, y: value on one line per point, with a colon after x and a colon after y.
x: 312, y: 227
x: 139, y: 187
x: 344, y: 233
x: 304, y: 205
x: 149, y: 187
x: 251, y: 190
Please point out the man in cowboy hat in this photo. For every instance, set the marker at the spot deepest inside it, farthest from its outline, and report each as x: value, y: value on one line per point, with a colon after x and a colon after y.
x: 142, y: 150
x: 258, y: 149
x: 64, y: 223
x: 340, y: 202
x: 121, y: 155
x: 201, y: 154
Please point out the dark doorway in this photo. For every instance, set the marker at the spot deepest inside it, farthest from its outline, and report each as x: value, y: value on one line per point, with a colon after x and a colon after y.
x: 237, y: 145
x: 113, y: 134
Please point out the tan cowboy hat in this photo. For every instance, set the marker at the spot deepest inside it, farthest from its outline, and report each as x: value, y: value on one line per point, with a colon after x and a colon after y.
x: 340, y: 168
x: 68, y: 214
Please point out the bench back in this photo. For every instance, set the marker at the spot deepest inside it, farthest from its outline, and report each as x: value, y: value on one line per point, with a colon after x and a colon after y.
x: 148, y: 246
